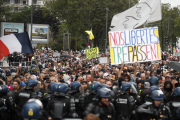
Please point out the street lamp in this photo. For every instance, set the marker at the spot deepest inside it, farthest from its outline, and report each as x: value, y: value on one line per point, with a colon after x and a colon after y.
x: 31, y: 17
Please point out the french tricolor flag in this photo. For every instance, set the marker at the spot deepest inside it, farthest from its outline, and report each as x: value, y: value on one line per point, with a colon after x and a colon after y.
x: 18, y: 42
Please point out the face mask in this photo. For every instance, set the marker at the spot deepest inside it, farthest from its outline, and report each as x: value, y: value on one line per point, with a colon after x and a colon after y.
x: 2, y: 74
x: 168, y: 89
x: 73, y: 76
x: 84, y: 76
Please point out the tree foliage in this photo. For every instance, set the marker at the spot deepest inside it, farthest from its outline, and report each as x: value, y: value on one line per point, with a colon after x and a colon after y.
x: 81, y: 15
x: 170, y: 15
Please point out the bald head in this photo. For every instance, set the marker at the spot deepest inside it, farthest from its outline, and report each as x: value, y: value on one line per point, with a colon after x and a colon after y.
x: 143, y: 76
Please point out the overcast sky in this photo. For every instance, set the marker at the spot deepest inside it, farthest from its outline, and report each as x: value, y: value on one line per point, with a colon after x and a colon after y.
x: 174, y: 3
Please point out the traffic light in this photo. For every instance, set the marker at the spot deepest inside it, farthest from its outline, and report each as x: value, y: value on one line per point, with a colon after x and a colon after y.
x: 166, y: 40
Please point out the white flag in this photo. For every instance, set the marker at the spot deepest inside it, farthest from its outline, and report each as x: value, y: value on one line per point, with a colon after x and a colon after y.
x: 145, y: 11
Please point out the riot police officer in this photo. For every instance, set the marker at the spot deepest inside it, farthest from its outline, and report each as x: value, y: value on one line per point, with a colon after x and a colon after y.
x: 24, y: 95
x: 33, y: 109
x: 124, y: 103
x: 75, y: 94
x: 133, y: 93
x: 91, y: 96
x: 155, y: 111
x: 60, y: 105
x: 175, y: 103
x: 2, y: 74
x: 148, y: 99
x: 102, y: 107
x: 153, y: 82
x: 7, y: 104
x: 112, y: 95
x: 8, y: 72
x: 47, y: 95
x: 178, y: 114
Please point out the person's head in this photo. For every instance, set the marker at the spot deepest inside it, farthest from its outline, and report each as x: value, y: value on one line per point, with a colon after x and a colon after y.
x: 84, y: 85
x: 109, y: 83
x: 26, y: 76
x: 60, y: 74
x: 46, y: 83
x: 15, y: 84
x: 53, y: 79
x: 157, y: 96
x: 167, y: 77
x: 91, y: 117
x: 139, y: 84
x: 161, y: 86
x: 103, y: 81
x: 51, y: 72
x: 121, y: 81
x: 168, y: 86
x: 127, y: 78
x: 157, y: 103
x: 32, y: 109
x: 103, y: 96
x: 32, y: 84
x: 143, y: 76
x: 148, y: 73
x: 126, y: 87
x: 106, y: 76
x: 164, y: 73
x: 75, y: 86
x: 153, y: 80
x: 9, y: 80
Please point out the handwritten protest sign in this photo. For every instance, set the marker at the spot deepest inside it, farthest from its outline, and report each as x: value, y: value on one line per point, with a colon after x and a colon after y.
x: 134, y: 45
x: 92, y: 53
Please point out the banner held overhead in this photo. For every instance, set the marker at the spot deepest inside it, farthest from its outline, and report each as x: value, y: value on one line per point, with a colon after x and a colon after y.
x: 134, y: 45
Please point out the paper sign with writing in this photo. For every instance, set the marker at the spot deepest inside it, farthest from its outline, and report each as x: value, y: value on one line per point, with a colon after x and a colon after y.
x: 92, y: 53
x: 103, y: 59
x: 137, y: 45
x: 56, y: 54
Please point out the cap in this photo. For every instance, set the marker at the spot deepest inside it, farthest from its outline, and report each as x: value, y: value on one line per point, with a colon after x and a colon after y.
x: 105, y: 75
x: 47, y: 81
x: 167, y: 76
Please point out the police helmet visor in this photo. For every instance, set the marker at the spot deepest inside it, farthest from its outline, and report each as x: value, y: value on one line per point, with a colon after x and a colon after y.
x: 133, y: 89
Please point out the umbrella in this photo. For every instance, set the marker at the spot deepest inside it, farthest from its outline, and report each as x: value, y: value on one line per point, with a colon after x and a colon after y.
x: 66, y: 56
x: 174, y: 65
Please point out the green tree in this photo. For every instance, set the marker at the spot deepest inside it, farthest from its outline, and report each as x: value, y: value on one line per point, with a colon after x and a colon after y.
x: 82, y: 15
x: 170, y: 15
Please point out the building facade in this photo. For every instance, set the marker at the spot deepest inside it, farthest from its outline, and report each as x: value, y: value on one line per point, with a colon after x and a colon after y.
x: 19, y: 4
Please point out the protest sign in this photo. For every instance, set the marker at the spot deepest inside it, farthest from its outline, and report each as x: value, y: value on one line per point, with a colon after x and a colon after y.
x: 56, y: 54
x: 92, y: 53
x: 103, y: 59
x: 176, y: 54
x: 137, y: 45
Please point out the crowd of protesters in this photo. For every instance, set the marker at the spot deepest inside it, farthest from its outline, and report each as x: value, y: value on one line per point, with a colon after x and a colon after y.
x: 88, y: 89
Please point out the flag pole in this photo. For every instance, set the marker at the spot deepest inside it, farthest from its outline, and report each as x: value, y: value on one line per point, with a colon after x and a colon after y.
x: 106, y: 29
x: 31, y: 33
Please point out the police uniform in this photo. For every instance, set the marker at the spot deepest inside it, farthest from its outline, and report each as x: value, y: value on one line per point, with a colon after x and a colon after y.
x: 33, y: 110
x: 104, y: 112
x: 24, y: 95
x: 152, y: 112
x: 7, y: 104
x: 175, y: 103
x: 75, y: 94
x: 124, y: 103
x: 90, y: 97
x: 61, y: 106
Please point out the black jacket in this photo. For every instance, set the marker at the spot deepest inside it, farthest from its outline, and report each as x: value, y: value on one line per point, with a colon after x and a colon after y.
x: 103, y: 112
